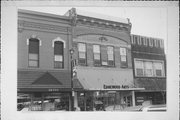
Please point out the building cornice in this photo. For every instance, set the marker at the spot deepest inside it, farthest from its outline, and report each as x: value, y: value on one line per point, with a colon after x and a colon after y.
x: 90, y: 22
x: 148, y: 53
x: 40, y: 26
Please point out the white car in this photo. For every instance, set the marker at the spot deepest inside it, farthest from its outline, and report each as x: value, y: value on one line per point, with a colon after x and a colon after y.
x: 154, y: 108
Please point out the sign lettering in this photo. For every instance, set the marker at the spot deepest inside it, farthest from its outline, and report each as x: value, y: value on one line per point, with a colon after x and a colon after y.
x: 53, y: 90
x: 115, y: 86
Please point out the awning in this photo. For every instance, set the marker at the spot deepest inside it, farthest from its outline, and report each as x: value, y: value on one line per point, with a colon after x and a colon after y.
x: 43, y: 81
x: 106, y: 80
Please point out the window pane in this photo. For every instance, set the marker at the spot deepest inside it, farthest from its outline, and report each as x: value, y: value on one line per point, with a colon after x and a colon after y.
x: 111, y: 63
x: 58, y: 64
x: 158, y: 68
x: 96, y: 48
x: 33, y: 63
x: 81, y: 47
x: 33, y: 56
x: 58, y: 48
x: 33, y: 45
x: 58, y: 58
x: 139, y: 67
x: 139, y: 72
x: 96, y: 56
x: 123, y: 58
x: 158, y: 72
x: 139, y: 64
x: 148, y: 68
x: 122, y: 51
x: 82, y: 55
x: 158, y: 65
x: 111, y: 57
x: 110, y: 50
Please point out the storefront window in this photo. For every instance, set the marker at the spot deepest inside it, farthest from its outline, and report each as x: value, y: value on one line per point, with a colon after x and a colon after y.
x: 44, y: 102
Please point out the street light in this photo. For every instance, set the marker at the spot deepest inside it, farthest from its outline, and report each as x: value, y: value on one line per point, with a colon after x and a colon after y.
x: 72, y: 90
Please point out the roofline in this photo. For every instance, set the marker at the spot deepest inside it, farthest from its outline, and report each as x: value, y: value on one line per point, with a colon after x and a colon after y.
x: 147, y: 36
x: 43, y: 14
x: 99, y: 16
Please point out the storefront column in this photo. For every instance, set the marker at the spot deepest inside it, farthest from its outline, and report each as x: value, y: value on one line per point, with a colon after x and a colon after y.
x: 75, y: 100
x: 84, y: 101
x: 133, y: 98
x: 70, y: 101
x: 42, y: 102
x: 32, y: 96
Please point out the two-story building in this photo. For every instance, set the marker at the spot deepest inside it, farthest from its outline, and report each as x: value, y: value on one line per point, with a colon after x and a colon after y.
x: 43, y: 61
x: 102, y: 50
x: 149, y: 68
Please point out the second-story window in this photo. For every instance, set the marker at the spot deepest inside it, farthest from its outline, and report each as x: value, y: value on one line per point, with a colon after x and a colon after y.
x: 148, y: 68
x: 82, y: 53
x: 97, y: 55
x: 33, y: 52
x: 123, y: 57
x: 158, y: 69
x: 110, y: 53
x: 139, y: 68
x: 58, y: 54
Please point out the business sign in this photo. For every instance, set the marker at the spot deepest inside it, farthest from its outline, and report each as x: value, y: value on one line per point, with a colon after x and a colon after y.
x: 115, y: 86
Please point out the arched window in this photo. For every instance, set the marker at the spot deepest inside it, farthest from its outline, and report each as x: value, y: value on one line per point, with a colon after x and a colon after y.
x: 58, y: 54
x: 33, y: 58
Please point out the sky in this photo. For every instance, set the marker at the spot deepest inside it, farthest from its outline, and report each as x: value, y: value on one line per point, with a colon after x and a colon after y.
x: 146, y: 21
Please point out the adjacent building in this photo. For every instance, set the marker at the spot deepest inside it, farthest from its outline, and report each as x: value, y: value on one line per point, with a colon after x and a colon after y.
x: 149, y: 68
x: 103, y: 61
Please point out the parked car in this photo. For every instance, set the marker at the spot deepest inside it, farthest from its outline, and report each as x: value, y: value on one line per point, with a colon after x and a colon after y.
x: 154, y: 108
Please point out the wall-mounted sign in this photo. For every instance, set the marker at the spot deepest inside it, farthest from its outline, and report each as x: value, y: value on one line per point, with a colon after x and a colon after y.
x: 53, y: 90
x: 116, y: 86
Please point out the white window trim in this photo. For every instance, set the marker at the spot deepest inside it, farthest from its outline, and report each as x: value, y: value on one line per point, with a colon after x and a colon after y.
x: 34, y: 36
x: 148, y: 60
x: 59, y: 39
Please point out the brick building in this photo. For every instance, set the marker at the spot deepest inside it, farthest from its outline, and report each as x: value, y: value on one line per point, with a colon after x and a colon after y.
x: 43, y: 60
x: 103, y: 60
x: 149, y: 68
